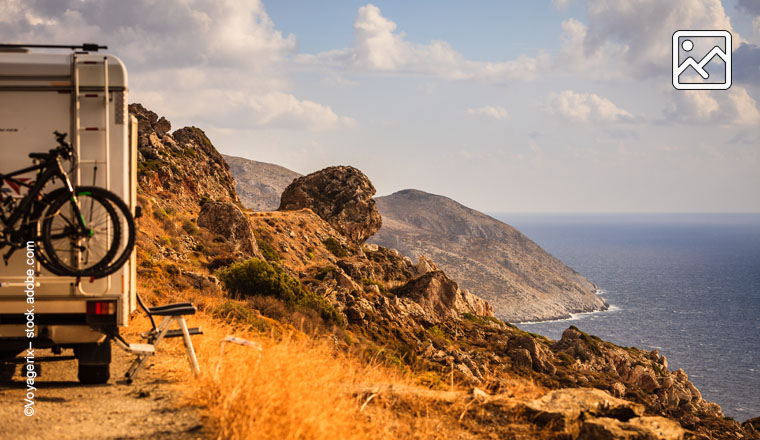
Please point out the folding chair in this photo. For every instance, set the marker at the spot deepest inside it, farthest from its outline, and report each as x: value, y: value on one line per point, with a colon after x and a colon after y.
x: 172, y: 313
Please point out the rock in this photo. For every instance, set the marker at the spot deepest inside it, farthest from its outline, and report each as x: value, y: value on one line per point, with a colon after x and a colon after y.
x: 752, y: 425
x: 182, y: 168
x: 639, y: 428
x: 370, y: 247
x: 425, y: 265
x: 521, y: 358
x: 618, y: 389
x: 479, y: 394
x: 540, y: 355
x: 228, y: 220
x: 564, y: 410
x: 341, y: 195
x: 440, y: 297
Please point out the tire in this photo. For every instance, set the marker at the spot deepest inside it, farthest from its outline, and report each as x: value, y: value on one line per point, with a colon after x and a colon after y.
x: 94, y: 374
x: 74, y: 250
x: 127, y: 222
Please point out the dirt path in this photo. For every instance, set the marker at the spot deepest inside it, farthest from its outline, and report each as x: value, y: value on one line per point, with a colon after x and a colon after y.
x: 65, y: 409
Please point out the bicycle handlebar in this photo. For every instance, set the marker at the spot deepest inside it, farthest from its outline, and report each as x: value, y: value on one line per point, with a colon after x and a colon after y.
x: 64, y: 149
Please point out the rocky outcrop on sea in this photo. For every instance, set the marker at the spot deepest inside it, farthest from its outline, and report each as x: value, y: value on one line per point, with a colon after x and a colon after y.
x: 341, y: 195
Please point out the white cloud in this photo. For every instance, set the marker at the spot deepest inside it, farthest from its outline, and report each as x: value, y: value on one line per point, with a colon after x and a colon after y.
x: 634, y: 36
x: 756, y: 28
x: 561, y: 4
x: 379, y: 47
x: 724, y: 107
x: 489, y: 111
x: 192, y: 60
x: 585, y: 107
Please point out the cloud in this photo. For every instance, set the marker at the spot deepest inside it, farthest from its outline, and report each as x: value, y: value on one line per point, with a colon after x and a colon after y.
x: 634, y: 36
x: 378, y: 47
x: 585, y: 107
x: 489, y: 111
x: 746, y: 64
x: 750, y: 6
x: 724, y: 107
x: 561, y: 4
x: 179, y: 51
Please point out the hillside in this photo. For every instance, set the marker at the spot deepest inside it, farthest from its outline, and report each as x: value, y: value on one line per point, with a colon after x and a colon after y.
x: 359, y: 341
x: 488, y: 257
x: 259, y: 184
x: 491, y: 259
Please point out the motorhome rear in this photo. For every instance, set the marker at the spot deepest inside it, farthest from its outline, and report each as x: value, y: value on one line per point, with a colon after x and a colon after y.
x: 83, y: 94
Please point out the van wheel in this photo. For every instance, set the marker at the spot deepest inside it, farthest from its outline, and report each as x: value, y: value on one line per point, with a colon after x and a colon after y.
x: 94, y: 374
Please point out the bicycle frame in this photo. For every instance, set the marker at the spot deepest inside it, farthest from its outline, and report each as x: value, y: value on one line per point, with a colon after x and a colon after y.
x: 48, y: 171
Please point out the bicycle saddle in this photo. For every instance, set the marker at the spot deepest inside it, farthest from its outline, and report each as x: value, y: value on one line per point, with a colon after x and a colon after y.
x: 39, y: 155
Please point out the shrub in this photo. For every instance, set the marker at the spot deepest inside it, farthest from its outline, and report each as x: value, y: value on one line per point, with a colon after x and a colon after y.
x: 259, y: 277
x: 335, y: 247
x: 269, y: 253
x: 190, y: 227
x: 322, y: 273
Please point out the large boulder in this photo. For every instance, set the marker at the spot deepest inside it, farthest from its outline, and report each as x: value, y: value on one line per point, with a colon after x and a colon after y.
x: 441, y: 298
x: 341, y: 195
x: 228, y: 220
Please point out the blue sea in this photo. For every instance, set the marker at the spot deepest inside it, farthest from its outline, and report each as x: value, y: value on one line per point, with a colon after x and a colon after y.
x: 687, y: 285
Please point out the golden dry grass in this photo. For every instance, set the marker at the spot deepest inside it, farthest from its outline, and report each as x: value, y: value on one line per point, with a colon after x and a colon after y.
x: 299, y: 387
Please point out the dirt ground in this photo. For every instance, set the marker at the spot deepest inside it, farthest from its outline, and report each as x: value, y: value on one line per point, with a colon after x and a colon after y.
x: 65, y: 409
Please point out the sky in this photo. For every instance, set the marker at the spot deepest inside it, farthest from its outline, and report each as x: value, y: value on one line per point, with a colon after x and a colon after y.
x: 504, y: 106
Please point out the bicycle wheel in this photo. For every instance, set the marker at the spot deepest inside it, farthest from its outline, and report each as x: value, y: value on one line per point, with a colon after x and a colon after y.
x: 82, y: 235
x: 129, y: 234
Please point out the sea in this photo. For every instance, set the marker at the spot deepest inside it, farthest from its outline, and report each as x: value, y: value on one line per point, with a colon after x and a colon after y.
x: 687, y: 285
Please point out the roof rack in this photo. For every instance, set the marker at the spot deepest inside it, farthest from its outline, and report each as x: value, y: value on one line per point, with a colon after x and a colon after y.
x: 87, y: 47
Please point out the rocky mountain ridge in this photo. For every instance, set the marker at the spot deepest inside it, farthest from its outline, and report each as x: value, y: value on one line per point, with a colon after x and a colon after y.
x: 485, y: 256
x: 388, y: 308
x: 491, y: 258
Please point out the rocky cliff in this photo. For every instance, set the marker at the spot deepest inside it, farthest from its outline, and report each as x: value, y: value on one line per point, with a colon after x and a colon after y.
x: 311, y: 271
x: 259, y: 184
x: 488, y: 257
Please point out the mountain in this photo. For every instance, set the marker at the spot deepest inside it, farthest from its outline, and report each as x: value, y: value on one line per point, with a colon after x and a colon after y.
x: 521, y: 280
x: 259, y: 184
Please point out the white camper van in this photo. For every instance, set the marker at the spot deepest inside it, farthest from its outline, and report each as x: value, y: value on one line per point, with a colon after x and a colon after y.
x: 81, y: 92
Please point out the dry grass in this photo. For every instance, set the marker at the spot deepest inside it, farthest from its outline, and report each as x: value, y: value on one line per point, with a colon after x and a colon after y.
x: 300, y: 387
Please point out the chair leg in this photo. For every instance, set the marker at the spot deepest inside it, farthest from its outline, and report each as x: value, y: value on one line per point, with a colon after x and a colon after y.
x: 138, y: 363
x: 189, y: 346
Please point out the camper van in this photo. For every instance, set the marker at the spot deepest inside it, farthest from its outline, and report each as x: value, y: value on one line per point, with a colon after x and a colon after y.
x: 82, y: 92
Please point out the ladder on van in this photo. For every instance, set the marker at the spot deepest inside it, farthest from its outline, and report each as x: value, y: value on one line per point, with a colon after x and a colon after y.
x: 78, y: 96
x: 76, y: 119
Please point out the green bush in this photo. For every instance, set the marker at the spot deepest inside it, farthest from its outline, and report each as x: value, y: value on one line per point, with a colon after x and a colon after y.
x: 259, y: 277
x: 269, y: 253
x: 335, y: 247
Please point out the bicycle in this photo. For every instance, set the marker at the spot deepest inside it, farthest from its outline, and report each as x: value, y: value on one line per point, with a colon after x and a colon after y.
x: 83, y: 231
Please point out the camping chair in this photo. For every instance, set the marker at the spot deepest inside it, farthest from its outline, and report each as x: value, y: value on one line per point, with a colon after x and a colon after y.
x: 172, y: 313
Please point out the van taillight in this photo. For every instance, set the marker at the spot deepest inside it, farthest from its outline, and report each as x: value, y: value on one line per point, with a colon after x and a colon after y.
x: 101, y: 307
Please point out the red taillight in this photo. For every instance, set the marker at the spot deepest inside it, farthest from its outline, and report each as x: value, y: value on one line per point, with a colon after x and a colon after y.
x: 101, y: 307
